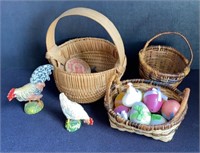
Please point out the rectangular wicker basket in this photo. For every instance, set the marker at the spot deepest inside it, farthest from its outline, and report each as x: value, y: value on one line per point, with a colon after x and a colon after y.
x: 163, y: 132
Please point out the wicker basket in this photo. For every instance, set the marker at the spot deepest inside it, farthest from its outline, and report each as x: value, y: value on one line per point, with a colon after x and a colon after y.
x: 107, y: 58
x: 163, y: 63
x: 163, y: 132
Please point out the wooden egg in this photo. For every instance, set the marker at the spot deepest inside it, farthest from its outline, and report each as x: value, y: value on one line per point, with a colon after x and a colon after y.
x: 170, y: 108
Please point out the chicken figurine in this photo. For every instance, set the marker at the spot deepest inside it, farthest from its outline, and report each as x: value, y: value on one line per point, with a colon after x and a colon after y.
x: 31, y: 92
x: 131, y: 96
x: 74, y: 113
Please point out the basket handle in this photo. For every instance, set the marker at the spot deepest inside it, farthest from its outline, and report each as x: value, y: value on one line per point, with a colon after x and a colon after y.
x: 186, y: 94
x: 175, y: 33
x: 107, y: 97
x: 96, y: 16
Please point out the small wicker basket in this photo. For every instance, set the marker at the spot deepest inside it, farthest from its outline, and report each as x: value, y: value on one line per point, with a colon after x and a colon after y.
x: 163, y: 63
x: 163, y: 132
x: 107, y: 58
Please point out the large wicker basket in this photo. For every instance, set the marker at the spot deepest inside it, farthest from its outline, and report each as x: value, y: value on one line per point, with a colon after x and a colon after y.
x: 163, y: 132
x: 107, y: 58
x: 164, y: 63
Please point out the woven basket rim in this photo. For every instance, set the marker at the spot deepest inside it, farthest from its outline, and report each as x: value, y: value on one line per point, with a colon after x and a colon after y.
x: 116, y: 65
x: 87, y: 38
x: 73, y: 40
x: 179, y: 74
x: 166, y: 125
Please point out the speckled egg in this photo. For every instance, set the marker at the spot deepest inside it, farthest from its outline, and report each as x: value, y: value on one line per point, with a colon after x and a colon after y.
x: 157, y: 119
x: 118, y: 99
x: 170, y: 108
x: 139, y: 113
x: 153, y: 100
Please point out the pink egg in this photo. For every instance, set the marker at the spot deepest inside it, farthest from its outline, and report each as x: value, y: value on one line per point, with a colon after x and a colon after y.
x: 170, y: 108
x: 153, y: 100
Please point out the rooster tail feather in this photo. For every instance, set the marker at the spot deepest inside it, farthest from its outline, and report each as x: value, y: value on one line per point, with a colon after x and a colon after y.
x: 41, y: 74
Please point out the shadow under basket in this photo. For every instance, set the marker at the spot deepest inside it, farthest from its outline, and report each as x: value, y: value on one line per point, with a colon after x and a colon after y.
x: 164, y: 63
x: 106, y: 58
x: 163, y: 132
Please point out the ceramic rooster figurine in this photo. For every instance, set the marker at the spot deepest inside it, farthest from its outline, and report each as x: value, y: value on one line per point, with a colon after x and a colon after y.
x: 32, y: 91
x: 131, y: 96
x: 74, y: 112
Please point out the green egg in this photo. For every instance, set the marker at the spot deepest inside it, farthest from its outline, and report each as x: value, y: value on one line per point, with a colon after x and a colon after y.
x: 33, y: 107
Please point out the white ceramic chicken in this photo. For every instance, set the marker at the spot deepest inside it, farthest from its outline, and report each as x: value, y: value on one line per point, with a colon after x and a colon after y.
x: 131, y: 96
x: 73, y: 110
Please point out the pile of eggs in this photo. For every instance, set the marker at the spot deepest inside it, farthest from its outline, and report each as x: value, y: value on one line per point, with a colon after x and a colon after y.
x: 151, y: 107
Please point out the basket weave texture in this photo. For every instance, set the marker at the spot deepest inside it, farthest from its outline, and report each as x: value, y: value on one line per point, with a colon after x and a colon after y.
x: 107, y: 58
x: 164, y: 63
x: 163, y: 132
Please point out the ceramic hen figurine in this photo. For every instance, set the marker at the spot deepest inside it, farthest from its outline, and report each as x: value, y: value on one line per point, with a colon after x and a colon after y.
x: 131, y: 96
x: 32, y: 91
x: 74, y: 112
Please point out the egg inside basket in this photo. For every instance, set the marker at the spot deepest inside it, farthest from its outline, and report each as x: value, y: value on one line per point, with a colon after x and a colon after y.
x: 163, y: 132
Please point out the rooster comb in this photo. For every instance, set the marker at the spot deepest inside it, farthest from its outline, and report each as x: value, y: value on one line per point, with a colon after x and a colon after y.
x: 11, y: 92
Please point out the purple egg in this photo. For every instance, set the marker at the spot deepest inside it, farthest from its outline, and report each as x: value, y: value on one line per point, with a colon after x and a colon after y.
x: 121, y: 108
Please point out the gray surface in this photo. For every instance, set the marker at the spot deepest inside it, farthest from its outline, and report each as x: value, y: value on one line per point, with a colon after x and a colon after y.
x: 24, y: 25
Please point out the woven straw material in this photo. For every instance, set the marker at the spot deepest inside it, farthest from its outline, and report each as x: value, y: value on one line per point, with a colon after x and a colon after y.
x: 163, y: 63
x: 106, y: 58
x: 163, y: 132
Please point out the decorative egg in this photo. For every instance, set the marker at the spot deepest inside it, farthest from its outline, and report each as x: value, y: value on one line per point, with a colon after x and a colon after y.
x: 139, y: 113
x: 33, y: 107
x: 118, y: 99
x: 153, y: 99
x: 122, y: 111
x: 170, y: 108
x: 76, y: 65
x: 157, y: 119
x: 131, y: 95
